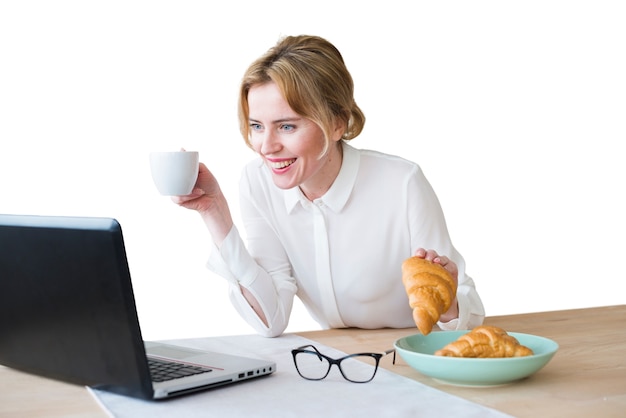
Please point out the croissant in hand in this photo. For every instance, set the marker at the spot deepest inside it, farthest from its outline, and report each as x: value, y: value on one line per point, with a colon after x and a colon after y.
x: 431, y: 290
x: 485, y: 342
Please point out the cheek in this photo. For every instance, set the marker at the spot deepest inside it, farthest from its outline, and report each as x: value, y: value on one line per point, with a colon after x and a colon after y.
x: 307, y: 145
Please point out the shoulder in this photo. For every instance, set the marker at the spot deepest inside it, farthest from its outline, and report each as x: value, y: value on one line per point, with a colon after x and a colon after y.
x: 387, y: 163
x: 254, y: 165
x: 254, y: 173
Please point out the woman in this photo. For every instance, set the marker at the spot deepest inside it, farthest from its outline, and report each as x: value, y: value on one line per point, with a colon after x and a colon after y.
x: 325, y: 221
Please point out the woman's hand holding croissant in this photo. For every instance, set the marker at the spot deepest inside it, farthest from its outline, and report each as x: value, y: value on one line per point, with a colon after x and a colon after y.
x: 451, y: 267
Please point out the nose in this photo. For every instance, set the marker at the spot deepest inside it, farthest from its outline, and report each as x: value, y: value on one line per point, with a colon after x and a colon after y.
x: 269, y: 142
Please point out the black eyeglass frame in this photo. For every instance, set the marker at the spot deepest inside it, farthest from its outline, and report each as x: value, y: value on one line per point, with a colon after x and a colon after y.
x: 337, y: 362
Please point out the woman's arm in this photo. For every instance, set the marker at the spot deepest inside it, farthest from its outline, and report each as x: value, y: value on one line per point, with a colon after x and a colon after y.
x: 429, y: 230
x: 209, y: 201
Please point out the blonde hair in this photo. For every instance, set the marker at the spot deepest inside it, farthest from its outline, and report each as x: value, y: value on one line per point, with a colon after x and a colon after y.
x: 313, y: 78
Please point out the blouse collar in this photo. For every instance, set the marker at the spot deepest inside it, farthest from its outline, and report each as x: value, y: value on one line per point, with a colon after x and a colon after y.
x: 337, y: 196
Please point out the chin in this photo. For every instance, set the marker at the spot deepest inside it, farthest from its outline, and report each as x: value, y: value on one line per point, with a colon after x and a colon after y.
x: 283, y: 185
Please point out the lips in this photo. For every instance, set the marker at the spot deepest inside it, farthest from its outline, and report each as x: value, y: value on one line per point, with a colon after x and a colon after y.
x: 279, y: 165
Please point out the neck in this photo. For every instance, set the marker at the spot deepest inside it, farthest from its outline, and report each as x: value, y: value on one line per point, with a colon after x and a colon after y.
x: 327, y: 174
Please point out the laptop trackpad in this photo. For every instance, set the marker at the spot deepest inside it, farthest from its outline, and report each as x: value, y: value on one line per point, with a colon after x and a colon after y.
x: 171, y: 352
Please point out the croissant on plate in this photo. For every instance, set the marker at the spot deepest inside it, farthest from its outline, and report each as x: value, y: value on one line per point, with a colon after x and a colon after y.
x: 485, y: 342
x: 430, y: 289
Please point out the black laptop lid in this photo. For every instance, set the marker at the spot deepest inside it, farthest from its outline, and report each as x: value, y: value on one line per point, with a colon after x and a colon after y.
x: 67, y: 309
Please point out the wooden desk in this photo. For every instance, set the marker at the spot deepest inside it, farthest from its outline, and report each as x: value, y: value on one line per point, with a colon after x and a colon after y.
x: 587, y: 377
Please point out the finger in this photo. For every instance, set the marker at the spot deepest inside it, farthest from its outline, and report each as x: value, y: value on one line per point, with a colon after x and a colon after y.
x: 420, y: 252
x: 431, y: 255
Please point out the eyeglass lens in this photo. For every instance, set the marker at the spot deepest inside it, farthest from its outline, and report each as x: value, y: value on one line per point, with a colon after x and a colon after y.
x: 355, y: 368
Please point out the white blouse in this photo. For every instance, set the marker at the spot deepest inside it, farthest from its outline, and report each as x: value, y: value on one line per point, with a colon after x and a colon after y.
x: 342, y: 253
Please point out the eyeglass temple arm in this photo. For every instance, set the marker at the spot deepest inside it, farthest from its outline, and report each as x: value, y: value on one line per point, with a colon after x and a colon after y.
x: 383, y: 354
x: 319, y: 355
x: 391, y: 350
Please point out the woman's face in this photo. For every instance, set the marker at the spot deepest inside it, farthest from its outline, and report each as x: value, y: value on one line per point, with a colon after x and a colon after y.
x: 291, y: 145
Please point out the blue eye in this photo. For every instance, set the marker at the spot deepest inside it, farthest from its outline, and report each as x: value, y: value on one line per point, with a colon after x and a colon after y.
x: 255, y: 126
x: 287, y: 127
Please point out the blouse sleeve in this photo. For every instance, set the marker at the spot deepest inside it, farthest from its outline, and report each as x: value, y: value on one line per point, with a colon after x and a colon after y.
x: 429, y: 230
x: 267, y: 275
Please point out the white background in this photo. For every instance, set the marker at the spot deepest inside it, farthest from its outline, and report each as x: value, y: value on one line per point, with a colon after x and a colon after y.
x: 515, y: 111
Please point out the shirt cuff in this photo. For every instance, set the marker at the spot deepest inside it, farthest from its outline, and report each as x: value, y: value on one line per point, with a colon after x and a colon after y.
x: 451, y: 325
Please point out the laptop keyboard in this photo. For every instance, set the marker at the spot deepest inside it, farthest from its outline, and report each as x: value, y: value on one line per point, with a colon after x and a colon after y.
x: 163, y: 370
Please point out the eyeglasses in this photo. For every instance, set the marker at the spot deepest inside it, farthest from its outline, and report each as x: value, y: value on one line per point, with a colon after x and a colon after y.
x: 357, y: 368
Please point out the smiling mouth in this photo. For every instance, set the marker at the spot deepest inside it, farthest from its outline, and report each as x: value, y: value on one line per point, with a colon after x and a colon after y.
x: 277, y: 165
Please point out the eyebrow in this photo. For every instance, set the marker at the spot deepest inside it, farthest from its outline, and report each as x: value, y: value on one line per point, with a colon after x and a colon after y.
x: 283, y: 120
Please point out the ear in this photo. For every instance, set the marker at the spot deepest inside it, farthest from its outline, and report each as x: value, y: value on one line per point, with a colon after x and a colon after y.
x: 340, y: 129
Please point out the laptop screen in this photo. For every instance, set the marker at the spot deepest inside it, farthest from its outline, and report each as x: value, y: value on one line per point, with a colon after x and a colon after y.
x: 67, y: 309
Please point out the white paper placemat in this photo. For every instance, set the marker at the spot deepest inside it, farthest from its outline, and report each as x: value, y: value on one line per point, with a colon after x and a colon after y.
x: 286, y: 394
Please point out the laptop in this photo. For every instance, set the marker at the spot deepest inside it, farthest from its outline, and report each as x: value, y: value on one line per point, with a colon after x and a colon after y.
x: 67, y: 312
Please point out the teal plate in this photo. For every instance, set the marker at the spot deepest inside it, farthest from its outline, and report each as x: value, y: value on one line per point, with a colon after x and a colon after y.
x: 418, y: 351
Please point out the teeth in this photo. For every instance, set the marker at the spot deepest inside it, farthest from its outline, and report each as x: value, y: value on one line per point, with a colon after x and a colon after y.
x: 282, y: 164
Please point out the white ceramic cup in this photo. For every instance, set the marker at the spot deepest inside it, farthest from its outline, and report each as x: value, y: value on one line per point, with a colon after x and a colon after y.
x: 174, y: 173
